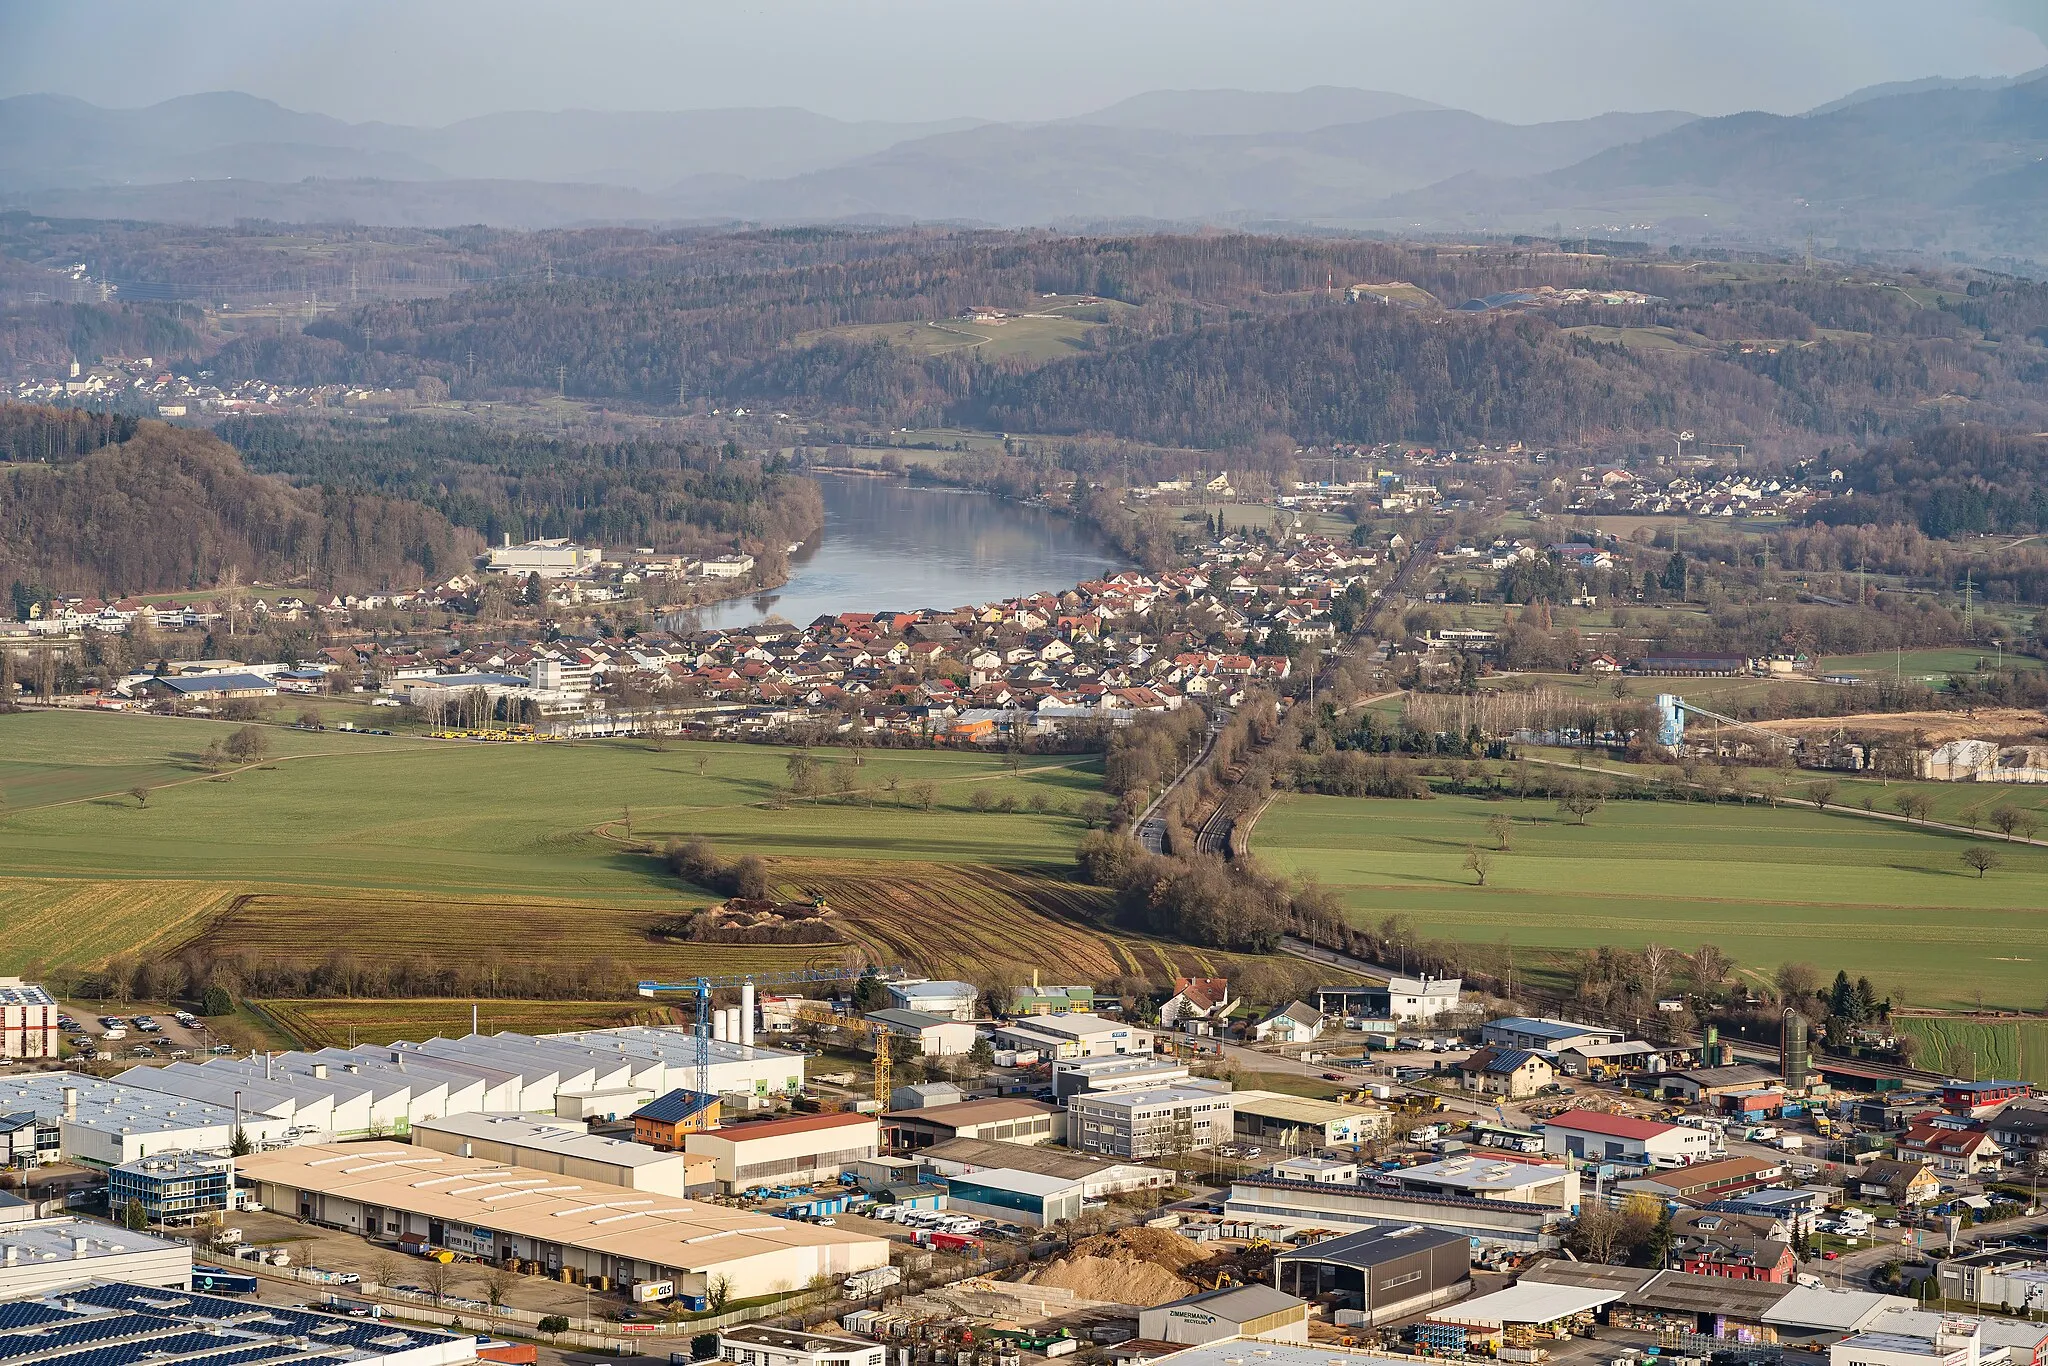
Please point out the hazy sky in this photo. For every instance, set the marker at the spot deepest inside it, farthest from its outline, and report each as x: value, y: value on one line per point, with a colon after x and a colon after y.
x: 434, y: 61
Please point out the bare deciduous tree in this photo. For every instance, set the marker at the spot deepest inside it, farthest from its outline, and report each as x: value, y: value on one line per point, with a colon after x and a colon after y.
x: 1710, y: 966
x: 1478, y: 862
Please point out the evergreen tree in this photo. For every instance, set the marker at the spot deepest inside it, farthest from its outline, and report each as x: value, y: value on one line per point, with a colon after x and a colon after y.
x: 869, y: 994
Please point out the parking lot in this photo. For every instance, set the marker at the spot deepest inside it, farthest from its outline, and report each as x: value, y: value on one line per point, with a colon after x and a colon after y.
x: 95, y: 1030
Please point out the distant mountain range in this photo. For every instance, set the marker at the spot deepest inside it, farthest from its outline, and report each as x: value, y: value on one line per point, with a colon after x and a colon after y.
x: 1949, y: 163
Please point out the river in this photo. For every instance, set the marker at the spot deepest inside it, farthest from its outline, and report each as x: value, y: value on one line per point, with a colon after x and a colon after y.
x: 895, y: 546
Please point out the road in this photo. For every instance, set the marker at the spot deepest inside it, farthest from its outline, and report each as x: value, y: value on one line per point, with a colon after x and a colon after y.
x: 1215, y: 835
x: 1853, y: 1268
x: 1151, y: 827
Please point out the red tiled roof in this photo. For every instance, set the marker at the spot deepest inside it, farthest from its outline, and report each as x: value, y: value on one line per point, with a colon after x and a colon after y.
x: 1613, y: 1126
x: 776, y: 1128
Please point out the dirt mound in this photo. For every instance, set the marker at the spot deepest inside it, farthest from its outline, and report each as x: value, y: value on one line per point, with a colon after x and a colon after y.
x: 1138, y: 1266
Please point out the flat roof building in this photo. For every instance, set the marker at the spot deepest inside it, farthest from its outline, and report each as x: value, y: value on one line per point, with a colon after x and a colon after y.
x: 1154, y: 1122
x: 554, y: 558
x: 41, y: 1256
x: 1493, y: 1177
x: 1510, y: 1225
x: 174, y: 1188
x: 1400, y: 998
x: 105, y: 1123
x: 1074, y: 1035
x: 1024, y: 1197
x: 1955, y: 1341
x: 495, y: 1211
x: 1099, y: 1177
x: 1381, y: 1274
x: 752, y: 1344
x: 1072, y: 1075
x: 28, y: 1019
x: 111, y: 1322
x: 566, y: 1147
x: 780, y: 1152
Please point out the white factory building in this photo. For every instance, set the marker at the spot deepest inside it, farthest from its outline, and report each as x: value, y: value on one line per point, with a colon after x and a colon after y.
x: 564, y: 1147
x: 494, y: 1211
x: 554, y: 558
x: 46, y: 1255
x: 1075, y: 1034
x: 28, y: 1020
x: 796, y: 1150
x: 106, y: 1123
x: 370, y: 1092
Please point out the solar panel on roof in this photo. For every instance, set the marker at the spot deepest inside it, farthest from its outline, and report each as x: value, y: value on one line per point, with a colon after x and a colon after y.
x: 27, y: 1312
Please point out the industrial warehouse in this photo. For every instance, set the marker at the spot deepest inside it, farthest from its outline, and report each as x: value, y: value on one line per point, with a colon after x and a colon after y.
x: 600, y: 1233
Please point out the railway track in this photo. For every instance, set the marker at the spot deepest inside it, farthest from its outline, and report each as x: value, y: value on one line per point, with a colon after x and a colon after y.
x: 1214, y: 836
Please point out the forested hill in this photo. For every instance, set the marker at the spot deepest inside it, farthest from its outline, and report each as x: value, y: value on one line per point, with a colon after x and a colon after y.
x: 1212, y: 342
x: 171, y: 509
x: 1358, y: 374
x: 1950, y: 481
x: 1204, y: 341
x: 635, y: 491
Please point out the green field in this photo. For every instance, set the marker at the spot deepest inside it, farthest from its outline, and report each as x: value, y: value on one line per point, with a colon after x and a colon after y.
x: 1924, y: 666
x: 1767, y: 885
x: 1641, y: 338
x: 1045, y: 333
x: 445, y: 828
x: 1978, y: 1049
x: 1965, y: 804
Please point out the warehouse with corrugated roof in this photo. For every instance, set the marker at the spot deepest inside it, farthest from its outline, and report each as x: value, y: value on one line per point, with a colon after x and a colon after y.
x: 584, y: 1229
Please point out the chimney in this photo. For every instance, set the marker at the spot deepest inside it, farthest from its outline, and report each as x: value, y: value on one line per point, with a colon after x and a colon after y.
x: 71, y: 1102
x: 320, y: 1071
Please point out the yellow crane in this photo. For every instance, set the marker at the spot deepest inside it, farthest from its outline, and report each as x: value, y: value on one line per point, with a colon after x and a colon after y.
x: 878, y: 1036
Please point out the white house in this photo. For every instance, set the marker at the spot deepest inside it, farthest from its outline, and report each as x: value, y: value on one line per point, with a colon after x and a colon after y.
x: 1296, y: 1022
x: 1596, y: 1137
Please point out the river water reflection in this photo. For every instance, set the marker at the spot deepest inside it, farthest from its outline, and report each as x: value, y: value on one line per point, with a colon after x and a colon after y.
x: 890, y: 545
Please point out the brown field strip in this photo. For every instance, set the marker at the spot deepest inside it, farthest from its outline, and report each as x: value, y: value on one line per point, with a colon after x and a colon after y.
x: 938, y: 918
x: 335, y: 1023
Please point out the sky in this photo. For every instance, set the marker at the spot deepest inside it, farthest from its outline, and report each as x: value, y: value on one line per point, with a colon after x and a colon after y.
x: 437, y: 61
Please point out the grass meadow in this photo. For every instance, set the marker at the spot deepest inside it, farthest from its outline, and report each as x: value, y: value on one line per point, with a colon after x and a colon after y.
x: 337, y: 833
x: 1768, y: 885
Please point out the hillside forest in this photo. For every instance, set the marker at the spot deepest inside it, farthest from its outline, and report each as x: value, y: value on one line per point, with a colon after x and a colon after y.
x: 1211, y: 341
